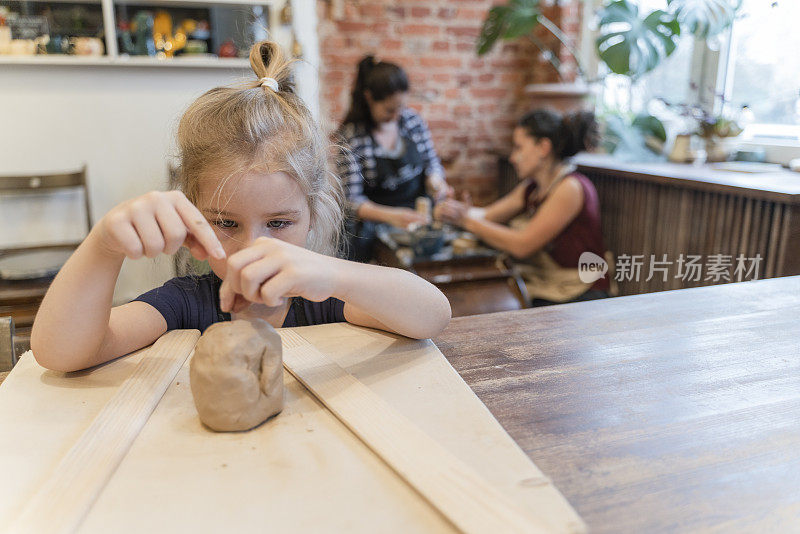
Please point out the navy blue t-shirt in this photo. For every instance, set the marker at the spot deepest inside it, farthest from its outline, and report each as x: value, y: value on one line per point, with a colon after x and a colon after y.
x: 192, y: 302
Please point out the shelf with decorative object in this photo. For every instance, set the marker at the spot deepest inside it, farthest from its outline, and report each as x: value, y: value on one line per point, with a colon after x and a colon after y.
x: 148, y: 33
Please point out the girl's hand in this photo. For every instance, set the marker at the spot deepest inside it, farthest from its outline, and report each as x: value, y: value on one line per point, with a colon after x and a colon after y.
x: 403, y: 217
x: 270, y: 270
x: 155, y: 223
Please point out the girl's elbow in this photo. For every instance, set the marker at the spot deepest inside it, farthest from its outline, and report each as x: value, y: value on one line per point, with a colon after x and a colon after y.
x: 47, y: 361
x: 436, y: 321
x: 53, y: 359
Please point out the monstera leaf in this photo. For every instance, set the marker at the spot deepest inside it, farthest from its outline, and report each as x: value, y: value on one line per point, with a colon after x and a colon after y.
x: 493, y: 28
x: 522, y: 18
x: 517, y: 18
x: 704, y: 18
x: 639, y: 139
x: 631, y: 45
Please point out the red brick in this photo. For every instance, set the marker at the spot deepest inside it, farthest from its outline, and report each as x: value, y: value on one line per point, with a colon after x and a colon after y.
x: 465, y: 13
x: 399, y: 12
x: 336, y: 76
x: 350, y: 26
x: 451, y: 124
x: 481, y: 92
x: 447, y: 12
x: 466, y: 31
x: 371, y: 10
x: 439, y: 62
x: 438, y: 109
x: 441, y: 46
x: 420, y: 12
x: 391, y: 44
x: 419, y: 29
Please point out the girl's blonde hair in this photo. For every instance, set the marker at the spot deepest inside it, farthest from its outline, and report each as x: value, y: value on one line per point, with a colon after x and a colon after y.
x: 233, y: 130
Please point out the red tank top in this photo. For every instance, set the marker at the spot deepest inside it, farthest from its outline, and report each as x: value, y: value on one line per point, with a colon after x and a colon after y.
x: 583, y: 234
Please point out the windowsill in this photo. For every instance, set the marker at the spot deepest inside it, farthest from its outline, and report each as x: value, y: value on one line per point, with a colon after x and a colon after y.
x: 776, y: 151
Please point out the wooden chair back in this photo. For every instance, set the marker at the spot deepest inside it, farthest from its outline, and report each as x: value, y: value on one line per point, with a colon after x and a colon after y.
x: 8, y: 356
x: 20, y: 184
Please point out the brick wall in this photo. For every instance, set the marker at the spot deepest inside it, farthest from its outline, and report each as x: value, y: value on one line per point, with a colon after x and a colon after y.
x: 470, y: 103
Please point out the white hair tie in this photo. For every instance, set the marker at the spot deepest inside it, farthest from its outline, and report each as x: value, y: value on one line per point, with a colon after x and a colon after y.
x: 272, y: 83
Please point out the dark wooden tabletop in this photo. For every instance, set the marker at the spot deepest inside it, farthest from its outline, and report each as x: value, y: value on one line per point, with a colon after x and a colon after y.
x: 668, y: 412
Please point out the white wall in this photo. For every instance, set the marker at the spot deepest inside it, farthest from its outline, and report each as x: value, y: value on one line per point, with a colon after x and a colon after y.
x: 119, y: 121
x: 307, y: 70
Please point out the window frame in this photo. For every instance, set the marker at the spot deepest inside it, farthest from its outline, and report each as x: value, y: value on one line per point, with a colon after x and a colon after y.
x: 776, y: 147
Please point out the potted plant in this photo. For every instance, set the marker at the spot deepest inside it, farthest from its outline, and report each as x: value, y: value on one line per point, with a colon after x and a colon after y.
x: 712, y: 128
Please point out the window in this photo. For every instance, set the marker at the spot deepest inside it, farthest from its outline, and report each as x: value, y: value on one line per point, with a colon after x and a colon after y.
x: 763, y: 69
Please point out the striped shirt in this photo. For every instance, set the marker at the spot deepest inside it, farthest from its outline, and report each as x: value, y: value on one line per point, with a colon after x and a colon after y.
x: 359, y: 166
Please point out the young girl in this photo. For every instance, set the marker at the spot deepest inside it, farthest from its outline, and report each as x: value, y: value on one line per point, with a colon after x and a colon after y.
x: 260, y: 204
x: 560, y: 208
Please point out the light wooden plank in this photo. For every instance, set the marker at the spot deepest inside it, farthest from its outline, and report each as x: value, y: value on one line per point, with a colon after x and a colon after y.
x: 455, y: 490
x: 63, y: 500
x: 302, y: 471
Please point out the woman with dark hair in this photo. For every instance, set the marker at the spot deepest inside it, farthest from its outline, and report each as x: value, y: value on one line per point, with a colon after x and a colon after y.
x: 560, y: 208
x: 393, y: 151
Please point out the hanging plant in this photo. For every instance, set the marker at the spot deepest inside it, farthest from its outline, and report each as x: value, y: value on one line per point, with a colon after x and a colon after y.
x: 519, y: 18
x: 631, y: 45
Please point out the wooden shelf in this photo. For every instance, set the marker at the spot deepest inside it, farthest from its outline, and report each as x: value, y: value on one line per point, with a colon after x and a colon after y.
x: 126, y: 61
x: 182, y: 3
x: 114, y: 59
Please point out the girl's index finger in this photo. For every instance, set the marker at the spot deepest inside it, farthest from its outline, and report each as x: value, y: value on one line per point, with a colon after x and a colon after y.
x: 198, y: 226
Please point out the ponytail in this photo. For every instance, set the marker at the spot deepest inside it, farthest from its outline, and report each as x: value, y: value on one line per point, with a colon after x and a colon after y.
x: 268, y: 61
x: 382, y: 79
x: 568, y: 134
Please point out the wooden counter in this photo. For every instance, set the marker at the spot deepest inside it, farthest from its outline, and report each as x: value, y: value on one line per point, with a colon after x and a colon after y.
x: 669, y: 412
x: 673, y: 209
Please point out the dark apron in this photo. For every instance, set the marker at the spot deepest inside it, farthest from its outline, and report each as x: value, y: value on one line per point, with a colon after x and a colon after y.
x: 398, y: 183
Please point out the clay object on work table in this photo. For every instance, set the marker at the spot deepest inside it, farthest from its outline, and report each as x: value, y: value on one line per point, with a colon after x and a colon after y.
x: 236, y: 374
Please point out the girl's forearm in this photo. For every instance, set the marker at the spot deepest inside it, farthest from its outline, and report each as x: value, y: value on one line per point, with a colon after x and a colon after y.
x: 72, y: 320
x: 402, y: 301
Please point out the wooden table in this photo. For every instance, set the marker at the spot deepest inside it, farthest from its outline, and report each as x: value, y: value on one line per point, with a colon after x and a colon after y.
x: 481, y: 281
x: 670, y: 412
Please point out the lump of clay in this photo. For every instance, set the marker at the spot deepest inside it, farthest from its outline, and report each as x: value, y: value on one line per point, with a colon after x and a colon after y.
x: 236, y: 374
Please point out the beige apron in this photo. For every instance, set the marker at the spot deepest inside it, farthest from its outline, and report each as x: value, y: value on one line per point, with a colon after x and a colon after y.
x: 544, y: 278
